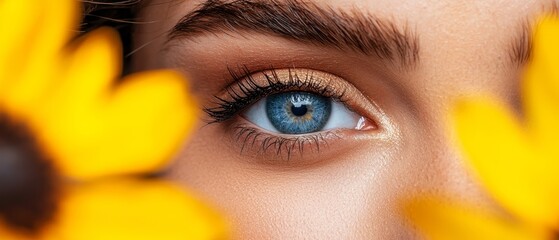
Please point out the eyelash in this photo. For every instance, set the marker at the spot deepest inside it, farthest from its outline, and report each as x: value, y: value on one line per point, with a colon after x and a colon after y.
x: 245, y: 91
x: 248, y: 135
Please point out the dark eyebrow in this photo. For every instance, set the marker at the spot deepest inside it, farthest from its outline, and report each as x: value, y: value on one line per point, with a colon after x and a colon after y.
x: 521, y: 48
x: 305, y: 22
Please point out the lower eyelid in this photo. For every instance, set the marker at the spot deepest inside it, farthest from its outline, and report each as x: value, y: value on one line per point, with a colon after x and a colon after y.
x: 257, y: 146
x: 275, y: 148
x: 255, y: 142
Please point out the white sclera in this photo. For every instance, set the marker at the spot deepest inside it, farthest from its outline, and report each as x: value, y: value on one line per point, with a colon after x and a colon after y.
x: 340, y: 117
x: 257, y: 114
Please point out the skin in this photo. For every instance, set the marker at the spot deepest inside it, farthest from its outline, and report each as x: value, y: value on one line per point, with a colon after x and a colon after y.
x: 352, y: 188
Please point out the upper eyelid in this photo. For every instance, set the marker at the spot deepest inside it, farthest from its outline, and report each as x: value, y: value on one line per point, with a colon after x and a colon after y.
x: 246, y: 89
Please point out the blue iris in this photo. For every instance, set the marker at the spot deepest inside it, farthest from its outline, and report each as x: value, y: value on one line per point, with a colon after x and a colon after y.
x: 298, y: 112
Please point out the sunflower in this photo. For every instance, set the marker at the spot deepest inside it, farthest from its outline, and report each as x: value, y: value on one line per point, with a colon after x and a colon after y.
x: 516, y: 160
x: 77, y: 151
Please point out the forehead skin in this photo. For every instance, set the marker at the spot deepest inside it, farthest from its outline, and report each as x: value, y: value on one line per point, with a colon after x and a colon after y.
x: 464, y: 48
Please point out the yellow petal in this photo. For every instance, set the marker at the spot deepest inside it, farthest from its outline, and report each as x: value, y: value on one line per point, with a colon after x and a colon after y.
x: 70, y: 118
x: 18, y: 20
x: 94, y: 129
x: 443, y: 220
x: 543, y: 67
x: 150, y: 117
x: 542, y: 117
x: 30, y: 69
x: 541, y: 88
x: 134, y: 209
x: 146, y: 121
x: 500, y: 154
x: 91, y: 68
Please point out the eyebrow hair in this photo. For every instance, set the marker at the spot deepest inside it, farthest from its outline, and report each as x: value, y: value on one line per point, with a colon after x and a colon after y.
x: 305, y: 22
x: 520, y: 50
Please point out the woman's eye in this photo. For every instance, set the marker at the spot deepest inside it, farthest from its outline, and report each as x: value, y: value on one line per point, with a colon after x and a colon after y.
x: 300, y: 113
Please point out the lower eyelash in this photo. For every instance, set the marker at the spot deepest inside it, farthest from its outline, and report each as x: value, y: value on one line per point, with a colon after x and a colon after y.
x: 281, y: 147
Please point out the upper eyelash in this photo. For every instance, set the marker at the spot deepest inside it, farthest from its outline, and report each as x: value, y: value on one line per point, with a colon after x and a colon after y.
x: 244, y: 91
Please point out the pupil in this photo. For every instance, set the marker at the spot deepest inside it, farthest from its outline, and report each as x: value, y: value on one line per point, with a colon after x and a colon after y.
x: 299, y: 111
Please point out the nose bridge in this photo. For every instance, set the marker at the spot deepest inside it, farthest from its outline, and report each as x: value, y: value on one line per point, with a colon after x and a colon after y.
x: 428, y: 162
x: 439, y: 165
x: 450, y: 174
x: 463, y: 57
x: 438, y: 171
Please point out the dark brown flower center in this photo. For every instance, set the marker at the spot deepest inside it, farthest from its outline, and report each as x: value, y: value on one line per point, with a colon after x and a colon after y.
x: 27, y: 179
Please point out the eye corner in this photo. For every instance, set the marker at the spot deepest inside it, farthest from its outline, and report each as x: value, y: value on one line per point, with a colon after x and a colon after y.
x: 365, y: 124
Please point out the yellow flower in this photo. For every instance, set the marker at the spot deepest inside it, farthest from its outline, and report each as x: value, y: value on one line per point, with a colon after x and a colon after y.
x: 81, y: 144
x: 517, y: 161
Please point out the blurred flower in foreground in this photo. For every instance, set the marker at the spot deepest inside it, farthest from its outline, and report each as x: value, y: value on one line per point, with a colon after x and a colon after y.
x: 74, y: 145
x: 518, y: 162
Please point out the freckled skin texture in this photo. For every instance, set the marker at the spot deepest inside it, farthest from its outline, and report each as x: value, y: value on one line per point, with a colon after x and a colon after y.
x: 350, y: 189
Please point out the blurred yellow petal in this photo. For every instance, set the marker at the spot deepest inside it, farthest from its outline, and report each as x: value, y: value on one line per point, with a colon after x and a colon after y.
x: 69, y: 121
x: 150, y: 119
x: 501, y: 155
x: 94, y: 129
x: 541, y: 88
x: 140, y: 209
x: 32, y: 66
x: 13, y: 38
x: 543, y: 67
x: 442, y: 220
x: 147, y: 120
x: 90, y: 70
x: 542, y: 111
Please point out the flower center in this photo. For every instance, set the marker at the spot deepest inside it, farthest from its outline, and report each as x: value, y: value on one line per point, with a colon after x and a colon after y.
x: 27, y: 180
